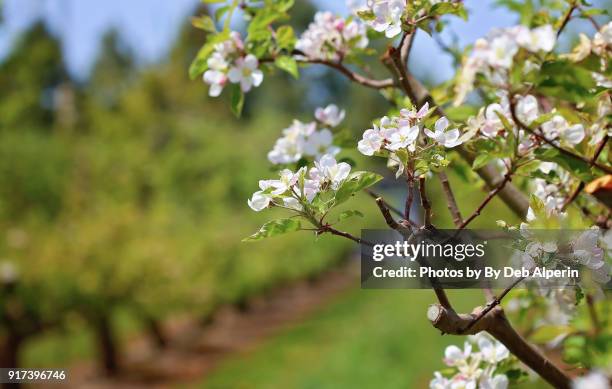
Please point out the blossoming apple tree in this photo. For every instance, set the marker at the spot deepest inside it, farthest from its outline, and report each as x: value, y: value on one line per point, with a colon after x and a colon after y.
x: 536, y: 134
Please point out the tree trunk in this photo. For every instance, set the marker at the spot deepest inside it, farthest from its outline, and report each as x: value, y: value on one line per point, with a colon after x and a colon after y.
x: 9, y: 355
x: 156, y: 332
x: 107, y: 345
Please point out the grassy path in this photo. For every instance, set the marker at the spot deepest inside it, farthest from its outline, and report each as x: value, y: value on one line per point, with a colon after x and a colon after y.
x: 365, y: 339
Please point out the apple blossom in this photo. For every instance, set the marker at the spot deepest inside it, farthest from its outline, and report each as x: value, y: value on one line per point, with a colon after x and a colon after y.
x: 492, y: 351
x: 371, y: 142
x: 320, y: 143
x: 527, y: 109
x: 330, y: 116
x: 302, y: 140
x: 592, y: 380
x: 332, y: 171
x: 387, y: 16
x: 447, y: 139
x: 259, y: 201
x: 403, y: 137
x: 245, y: 72
x: 331, y: 37
x: 541, y: 38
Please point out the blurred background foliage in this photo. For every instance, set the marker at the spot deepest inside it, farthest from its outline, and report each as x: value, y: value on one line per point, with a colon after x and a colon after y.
x: 123, y: 203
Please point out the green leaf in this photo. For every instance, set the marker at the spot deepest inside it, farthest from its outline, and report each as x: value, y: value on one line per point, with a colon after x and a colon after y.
x: 205, y: 23
x: 547, y: 333
x: 348, y: 214
x: 213, y: 1
x: 285, y: 38
x: 274, y: 228
x: 287, y: 64
x: 199, y: 64
x: 366, y: 15
x: 237, y: 100
x: 356, y: 182
x: 482, y: 160
x: 576, y: 167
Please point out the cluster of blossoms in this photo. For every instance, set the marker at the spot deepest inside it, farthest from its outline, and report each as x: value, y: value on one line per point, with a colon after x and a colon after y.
x: 494, y: 54
x: 402, y: 133
x: 230, y: 63
x: 474, y: 369
x: 305, y: 139
x: 489, y: 123
x: 386, y: 16
x: 600, y: 45
x: 582, y: 250
x: 331, y: 38
x: 294, y: 189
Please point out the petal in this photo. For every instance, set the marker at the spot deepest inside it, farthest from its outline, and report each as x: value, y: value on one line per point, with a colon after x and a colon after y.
x: 257, y: 76
x: 251, y: 62
x: 441, y: 124
x: 234, y: 75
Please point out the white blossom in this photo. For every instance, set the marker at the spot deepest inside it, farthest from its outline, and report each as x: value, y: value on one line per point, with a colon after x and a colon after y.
x: 592, y: 380
x: 387, y: 16
x: 330, y: 37
x: 542, y: 38
x: 302, y: 140
x: 245, y: 72
x: 447, y: 139
x: 499, y: 381
x: 330, y: 116
x: 492, y: 351
x: 371, y: 142
x: 527, y: 109
x: 259, y: 201
x: 404, y: 137
x: 332, y: 171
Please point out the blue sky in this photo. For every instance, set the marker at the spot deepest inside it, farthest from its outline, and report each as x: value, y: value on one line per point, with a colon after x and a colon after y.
x: 149, y: 27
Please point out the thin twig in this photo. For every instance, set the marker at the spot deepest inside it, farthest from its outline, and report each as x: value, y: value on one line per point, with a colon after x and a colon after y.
x: 333, y: 231
x: 540, y: 136
x: 450, y: 199
x: 566, y: 19
x: 490, y: 196
x: 493, y: 303
x: 387, y: 214
x: 392, y: 208
x: 409, y: 196
x: 425, y: 203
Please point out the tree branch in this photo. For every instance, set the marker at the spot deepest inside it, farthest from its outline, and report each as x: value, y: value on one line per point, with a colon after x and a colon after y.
x: 425, y: 203
x: 495, y: 323
x: 562, y: 150
x: 450, y: 199
x: 393, y: 209
x: 490, y: 196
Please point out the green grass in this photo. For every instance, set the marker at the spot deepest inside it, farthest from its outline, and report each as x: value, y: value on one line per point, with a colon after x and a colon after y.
x: 364, y: 339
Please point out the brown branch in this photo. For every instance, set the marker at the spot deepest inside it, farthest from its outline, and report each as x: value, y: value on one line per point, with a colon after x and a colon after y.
x: 581, y: 186
x: 393, y: 209
x: 451, y: 202
x: 492, y: 304
x: 387, y: 214
x: 351, y: 75
x: 483, y: 204
x: 495, y: 323
x: 550, y: 142
x: 425, y: 203
x: 409, y: 196
x: 566, y: 19
x: 333, y: 231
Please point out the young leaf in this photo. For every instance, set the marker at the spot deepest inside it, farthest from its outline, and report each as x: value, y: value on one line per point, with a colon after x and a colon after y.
x: 287, y: 64
x: 285, y: 38
x: 347, y: 214
x: 274, y: 228
x: 205, y: 23
x: 356, y: 182
x: 482, y: 160
x: 237, y: 100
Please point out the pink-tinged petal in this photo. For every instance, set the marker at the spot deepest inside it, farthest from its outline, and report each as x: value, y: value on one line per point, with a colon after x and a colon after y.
x: 429, y: 133
x: 423, y: 111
